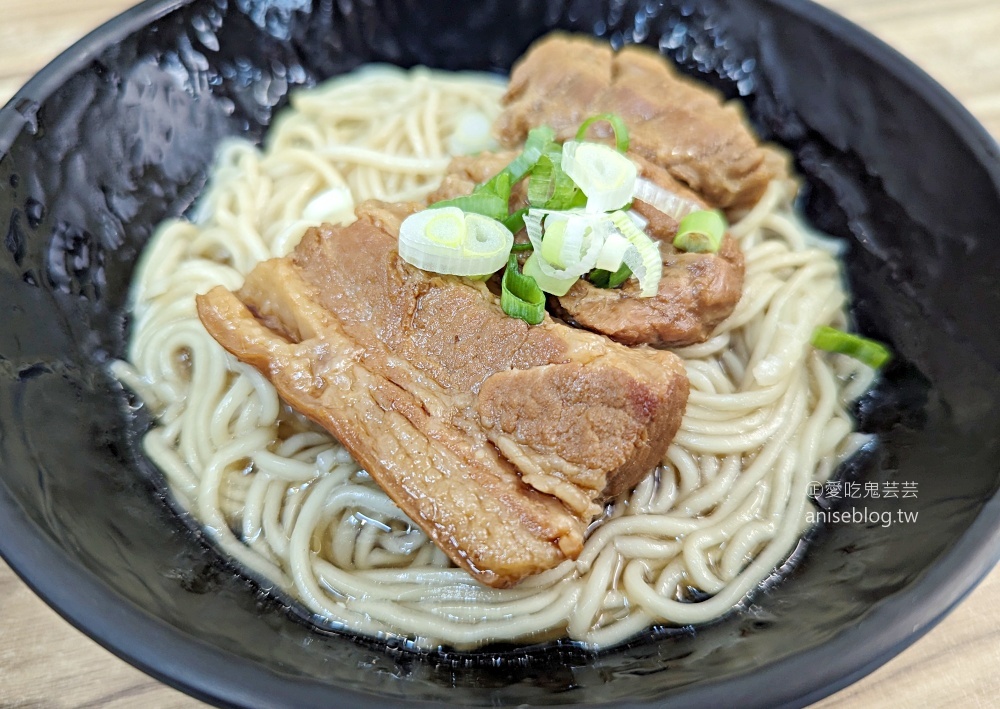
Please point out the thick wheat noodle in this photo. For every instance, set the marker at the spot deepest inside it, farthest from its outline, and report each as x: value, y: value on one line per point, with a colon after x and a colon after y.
x: 285, y: 501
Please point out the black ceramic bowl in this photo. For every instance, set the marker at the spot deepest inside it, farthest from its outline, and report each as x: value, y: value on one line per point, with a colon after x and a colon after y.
x: 117, y: 134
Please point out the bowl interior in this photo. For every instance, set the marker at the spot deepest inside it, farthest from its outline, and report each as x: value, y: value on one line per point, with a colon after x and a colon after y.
x: 108, y: 143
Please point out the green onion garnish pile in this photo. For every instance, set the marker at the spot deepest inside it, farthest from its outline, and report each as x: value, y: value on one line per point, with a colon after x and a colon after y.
x: 578, y: 224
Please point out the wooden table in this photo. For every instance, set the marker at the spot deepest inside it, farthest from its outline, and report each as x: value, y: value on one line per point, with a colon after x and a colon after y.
x: 46, y: 663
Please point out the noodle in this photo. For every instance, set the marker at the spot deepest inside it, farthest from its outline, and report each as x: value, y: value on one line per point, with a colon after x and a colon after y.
x: 766, y: 414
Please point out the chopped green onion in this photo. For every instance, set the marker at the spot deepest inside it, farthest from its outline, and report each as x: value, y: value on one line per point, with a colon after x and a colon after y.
x: 440, y: 230
x: 549, y: 284
x: 612, y: 253
x: 516, y: 248
x: 534, y: 145
x: 640, y: 221
x: 448, y: 240
x: 617, y: 125
x: 606, y: 177
x: 515, y: 221
x: 540, y: 183
x: 619, y: 276
x: 670, y: 203
x: 488, y: 204
x: 500, y: 186
x: 486, y: 238
x: 533, y: 221
x: 611, y: 270
x: 869, y: 352
x: 645, y: 259
x: 599, y: 277
x: 582, y: 241
x: 606, y: 279
x: 701, y: 232
x: 552, y: 244
x: 520, y: 296
x: 549, y: 187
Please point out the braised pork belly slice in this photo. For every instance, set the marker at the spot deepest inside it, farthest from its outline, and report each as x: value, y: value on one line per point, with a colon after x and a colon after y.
x: 695, y: 294
x: 676, y: 123
x: 502, y: 441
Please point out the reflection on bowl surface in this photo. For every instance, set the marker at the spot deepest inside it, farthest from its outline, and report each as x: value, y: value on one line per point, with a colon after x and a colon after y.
x: 96, y: 153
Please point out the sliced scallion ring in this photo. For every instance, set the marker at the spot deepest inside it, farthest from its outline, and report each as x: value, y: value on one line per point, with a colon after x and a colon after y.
x: 549, y: 284
x: 701, y: 232
x: 613, y: 252
x: 552, y: 243
x: 586, y: 231
x: 448, y: 240
x: 869, y: 352
x: 670, y: 203
x: 606, y: 177
x: 617, y: 125
x: 486, y: 239
x: 644, y: 260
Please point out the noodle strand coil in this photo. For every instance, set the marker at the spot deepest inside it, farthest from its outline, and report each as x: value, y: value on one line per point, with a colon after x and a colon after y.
x: 766, y: 416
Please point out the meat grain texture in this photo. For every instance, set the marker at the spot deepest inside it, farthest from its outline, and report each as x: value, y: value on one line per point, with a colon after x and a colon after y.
x: 673, y: 122
x: 501, y: 440
x: 696, y: 292
x: 683, y: 138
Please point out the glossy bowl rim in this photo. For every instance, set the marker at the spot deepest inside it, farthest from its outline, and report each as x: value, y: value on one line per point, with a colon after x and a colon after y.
x: 215, y: 675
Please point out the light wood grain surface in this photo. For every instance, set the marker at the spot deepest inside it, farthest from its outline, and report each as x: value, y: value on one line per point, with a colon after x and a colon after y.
x: 46, y: 663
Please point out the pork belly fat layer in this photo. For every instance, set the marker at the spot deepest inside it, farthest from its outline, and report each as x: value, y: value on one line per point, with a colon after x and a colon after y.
x: 500, y: 440
x: 678, y: 124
